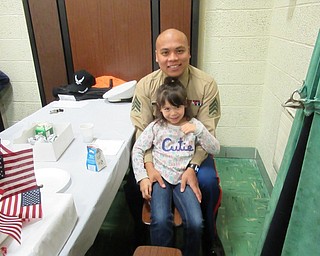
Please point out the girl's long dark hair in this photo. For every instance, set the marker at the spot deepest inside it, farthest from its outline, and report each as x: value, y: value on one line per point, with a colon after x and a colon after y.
x: 173, y: 92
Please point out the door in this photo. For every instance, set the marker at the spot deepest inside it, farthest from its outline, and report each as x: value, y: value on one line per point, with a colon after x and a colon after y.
x: 110, y: 37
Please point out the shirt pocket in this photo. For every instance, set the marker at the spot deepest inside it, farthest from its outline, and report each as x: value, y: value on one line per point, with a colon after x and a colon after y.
x: 194, y: 110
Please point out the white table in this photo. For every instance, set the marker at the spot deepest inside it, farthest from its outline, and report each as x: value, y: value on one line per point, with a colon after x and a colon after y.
x: 93, y: 192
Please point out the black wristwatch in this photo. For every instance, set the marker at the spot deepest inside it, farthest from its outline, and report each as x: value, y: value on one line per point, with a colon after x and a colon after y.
x: 195, y: 167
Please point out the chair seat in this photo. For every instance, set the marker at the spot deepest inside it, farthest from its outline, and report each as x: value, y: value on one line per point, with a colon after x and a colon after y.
x: 156, y: 251
x: 146, y: 214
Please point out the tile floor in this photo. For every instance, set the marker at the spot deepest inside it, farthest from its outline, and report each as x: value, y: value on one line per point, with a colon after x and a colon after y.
x: 244, y: 205
x: 240, y: 219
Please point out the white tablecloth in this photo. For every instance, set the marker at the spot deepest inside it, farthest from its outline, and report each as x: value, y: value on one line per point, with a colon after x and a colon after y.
x: 47, y: 236
x: 93, y: 192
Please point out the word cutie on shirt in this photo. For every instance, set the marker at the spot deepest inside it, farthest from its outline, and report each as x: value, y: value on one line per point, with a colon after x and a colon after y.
x: 180, y: 145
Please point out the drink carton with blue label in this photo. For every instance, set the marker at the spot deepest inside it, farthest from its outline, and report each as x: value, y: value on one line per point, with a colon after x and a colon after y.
x: 95, y: 159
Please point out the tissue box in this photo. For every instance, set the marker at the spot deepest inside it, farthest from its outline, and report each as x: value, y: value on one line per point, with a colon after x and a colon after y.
x: 46, y: 151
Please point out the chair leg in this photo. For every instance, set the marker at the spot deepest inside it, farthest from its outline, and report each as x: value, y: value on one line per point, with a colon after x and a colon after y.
x: 146, y: 212
x: 146, y: 215
x: 177, y: 217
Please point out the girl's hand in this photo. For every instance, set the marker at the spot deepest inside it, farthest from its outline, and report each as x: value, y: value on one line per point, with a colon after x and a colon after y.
x: 188, y: 127
x: 153, y: 174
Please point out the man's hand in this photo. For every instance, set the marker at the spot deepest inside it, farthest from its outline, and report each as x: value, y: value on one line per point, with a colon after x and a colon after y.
x: 153, y: 174
x: 145, y: 188
x: 189, y: 177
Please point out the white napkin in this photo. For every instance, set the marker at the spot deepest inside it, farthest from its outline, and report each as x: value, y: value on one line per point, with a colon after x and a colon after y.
x: 109, y: 147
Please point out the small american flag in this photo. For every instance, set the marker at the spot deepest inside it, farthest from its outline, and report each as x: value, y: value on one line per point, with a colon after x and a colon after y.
x: 19, y: 172
x: 26, y: 205
x: 12, y: 226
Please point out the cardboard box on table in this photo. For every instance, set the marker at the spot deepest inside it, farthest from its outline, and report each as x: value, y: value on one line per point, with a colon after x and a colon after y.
x: 48, y: 151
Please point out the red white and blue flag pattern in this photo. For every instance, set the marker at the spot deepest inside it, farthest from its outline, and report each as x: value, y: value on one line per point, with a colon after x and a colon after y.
x: 18, y: 172
x: 20, y: 197
x: 26, y: 205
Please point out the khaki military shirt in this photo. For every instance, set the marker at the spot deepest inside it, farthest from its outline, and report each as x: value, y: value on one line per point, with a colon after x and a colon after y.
x: 202, y: 93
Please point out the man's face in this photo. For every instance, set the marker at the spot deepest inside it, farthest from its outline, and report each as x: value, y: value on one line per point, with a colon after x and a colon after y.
x: 172, y: 53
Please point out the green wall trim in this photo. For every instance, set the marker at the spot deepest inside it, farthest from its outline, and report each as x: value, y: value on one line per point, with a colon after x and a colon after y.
x: 264, y: 173
x: 237, y: 152
x: 250, y: 153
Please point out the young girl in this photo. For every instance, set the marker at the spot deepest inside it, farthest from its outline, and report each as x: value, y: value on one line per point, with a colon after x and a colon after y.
x: 172, y: 137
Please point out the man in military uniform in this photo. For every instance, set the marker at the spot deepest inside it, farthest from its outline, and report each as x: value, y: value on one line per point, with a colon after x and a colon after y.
x: 173, y: 55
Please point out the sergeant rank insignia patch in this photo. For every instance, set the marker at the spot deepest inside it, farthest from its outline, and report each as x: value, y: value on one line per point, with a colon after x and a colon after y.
x: 213, y: 108
x: 136, y: 105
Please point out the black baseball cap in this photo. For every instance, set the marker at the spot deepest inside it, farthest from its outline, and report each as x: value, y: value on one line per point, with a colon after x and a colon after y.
x: 83, y: 80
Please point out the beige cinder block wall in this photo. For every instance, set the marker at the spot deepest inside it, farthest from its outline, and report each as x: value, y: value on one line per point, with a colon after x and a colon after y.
x: 259, y: 52
x: 293, y: 31
x: 22, y: 98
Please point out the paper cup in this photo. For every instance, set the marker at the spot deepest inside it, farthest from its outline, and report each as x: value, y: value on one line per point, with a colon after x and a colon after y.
x: 86, y: 130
